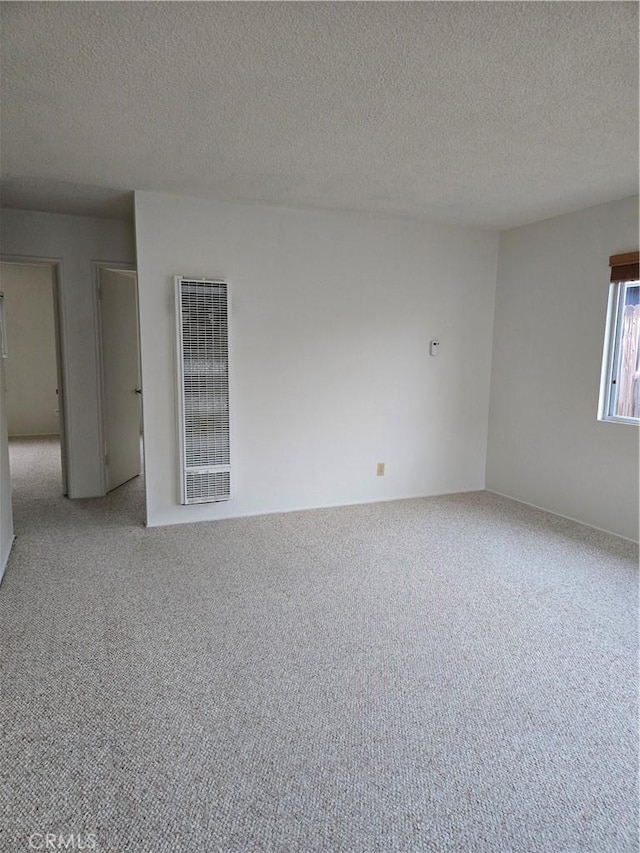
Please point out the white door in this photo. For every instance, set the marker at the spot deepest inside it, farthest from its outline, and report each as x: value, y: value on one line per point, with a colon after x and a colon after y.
x: 121, y: 375
x: 60, y: 388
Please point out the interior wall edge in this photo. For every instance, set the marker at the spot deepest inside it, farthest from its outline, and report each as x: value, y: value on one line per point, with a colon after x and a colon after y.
x: 567, y: 517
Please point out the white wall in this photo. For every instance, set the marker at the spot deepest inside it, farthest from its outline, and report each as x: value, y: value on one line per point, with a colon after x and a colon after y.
x: 30, y: 369
x: 6, y: 516
x: 331, y: 317
x: 546, y: 446
x: 76, y: 241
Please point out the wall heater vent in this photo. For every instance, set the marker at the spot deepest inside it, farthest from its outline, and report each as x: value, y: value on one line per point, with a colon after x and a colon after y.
x: 203, y: 389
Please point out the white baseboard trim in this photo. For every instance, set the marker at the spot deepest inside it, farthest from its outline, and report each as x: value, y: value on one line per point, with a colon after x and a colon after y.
x: 560, y: 515
x: 259, y: 513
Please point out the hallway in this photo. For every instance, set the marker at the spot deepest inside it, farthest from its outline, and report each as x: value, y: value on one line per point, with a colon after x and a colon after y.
x: 39, y: 507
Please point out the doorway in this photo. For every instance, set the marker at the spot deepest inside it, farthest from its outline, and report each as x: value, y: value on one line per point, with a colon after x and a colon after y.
x: 33, y: 372
x: 121, y: 416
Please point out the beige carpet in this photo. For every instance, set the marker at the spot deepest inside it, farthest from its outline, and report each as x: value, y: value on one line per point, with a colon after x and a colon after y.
x: 446, y: 674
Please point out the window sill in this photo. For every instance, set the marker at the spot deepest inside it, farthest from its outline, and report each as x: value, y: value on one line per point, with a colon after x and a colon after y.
x: 612, y: 419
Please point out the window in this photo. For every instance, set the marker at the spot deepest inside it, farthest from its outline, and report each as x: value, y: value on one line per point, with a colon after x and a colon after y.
x: 620, y: 387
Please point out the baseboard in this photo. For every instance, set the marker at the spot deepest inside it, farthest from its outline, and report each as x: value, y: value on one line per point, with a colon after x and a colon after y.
x: 4, y: 558
x: 286, y: 510
x: 560, y: 515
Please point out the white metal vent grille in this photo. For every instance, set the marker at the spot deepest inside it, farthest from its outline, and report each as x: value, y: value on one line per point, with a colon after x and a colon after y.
x: 203, y: 375
x: 207, y: 486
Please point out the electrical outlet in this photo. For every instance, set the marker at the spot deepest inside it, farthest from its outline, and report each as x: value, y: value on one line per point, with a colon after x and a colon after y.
x: 380, y: 469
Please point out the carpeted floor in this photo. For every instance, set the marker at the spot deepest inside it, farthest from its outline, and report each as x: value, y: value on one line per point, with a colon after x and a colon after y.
x: 446, y: 674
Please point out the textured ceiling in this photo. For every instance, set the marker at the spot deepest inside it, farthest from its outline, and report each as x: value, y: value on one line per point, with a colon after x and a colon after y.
x: 487, y: 114
x: 61, y: 197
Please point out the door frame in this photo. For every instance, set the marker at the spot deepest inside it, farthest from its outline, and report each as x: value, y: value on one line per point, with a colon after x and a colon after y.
x: 56, y: 265
x: 96, y: 266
